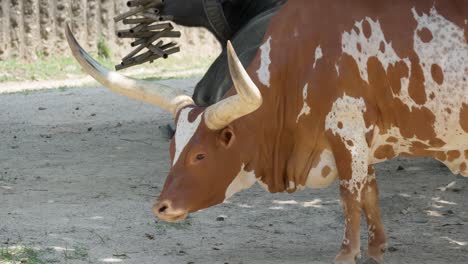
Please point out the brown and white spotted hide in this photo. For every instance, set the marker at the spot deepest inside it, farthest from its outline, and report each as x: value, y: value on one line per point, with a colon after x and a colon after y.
x: 345, y: 84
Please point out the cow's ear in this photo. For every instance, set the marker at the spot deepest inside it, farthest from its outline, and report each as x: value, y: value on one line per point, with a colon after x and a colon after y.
x: 227, y: 137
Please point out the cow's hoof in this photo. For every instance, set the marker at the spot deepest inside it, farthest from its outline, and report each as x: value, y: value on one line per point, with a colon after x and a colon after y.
x: 347, y: 257
x: 376, y: 252
x: 375, y: 259
x: 371, y: 261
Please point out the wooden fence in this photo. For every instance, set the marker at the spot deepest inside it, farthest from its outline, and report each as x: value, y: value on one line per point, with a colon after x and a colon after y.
x: 32, y: 28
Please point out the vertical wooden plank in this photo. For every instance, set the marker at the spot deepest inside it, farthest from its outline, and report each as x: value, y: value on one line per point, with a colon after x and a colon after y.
x: 78, y: 19
x: 62, y: 17
x: 31, y: 28
x: 85, y: 36
x: 46, y: 25
x: 107, y: 27
x: 4, y: 30
x: 93, y: 24
x: 30, y: 25
x: 121, y: 47
x: 16, y: 28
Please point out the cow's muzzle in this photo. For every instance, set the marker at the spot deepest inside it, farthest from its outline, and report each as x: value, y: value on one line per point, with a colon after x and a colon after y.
x: 165, y: 211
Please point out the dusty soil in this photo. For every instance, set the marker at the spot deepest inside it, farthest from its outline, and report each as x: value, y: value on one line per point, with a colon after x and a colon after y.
x: 80, y: 168
x: 77, y: 81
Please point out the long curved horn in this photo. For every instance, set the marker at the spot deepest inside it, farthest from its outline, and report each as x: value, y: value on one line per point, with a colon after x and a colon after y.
x: 247, y: 100
x: 167, y: 98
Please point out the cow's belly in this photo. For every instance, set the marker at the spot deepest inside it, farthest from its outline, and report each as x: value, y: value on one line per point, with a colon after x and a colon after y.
x: 324, y: 173
x: 453, y: 153
x: 457, y: 161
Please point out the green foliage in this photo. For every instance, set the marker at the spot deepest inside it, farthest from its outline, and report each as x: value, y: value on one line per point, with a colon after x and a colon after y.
x: 104, y: 51
x: 59, y: 68
x: 44, y: 68
x: 20, y: 255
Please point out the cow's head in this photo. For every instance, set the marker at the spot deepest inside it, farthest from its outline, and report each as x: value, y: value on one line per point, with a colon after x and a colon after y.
x: 205, y: 151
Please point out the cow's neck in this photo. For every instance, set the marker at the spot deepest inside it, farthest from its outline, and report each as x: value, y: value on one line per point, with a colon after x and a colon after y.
x: 273, y: 155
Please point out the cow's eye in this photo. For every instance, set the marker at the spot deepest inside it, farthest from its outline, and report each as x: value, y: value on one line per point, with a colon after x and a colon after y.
x: 200, y: 156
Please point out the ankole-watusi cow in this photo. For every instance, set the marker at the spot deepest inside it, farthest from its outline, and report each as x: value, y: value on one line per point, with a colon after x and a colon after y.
x: 336, y: 87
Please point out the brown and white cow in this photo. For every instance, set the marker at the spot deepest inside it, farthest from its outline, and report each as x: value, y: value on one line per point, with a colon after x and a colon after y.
x: 336, y: 87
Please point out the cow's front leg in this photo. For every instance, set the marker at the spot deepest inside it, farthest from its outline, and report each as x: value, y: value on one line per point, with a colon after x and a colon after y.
x: 351, y: 154
x: 376, y: 234
x: 363, y: 195
x: 346, y: 130
x: 350, y: 246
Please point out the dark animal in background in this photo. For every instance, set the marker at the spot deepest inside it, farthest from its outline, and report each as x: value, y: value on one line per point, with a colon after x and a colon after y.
x: 244, y: 22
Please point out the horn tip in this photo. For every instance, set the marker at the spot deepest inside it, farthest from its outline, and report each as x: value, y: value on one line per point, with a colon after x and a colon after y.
x: 229, y: 46
x: 68, y: 29
x: 69, y: 34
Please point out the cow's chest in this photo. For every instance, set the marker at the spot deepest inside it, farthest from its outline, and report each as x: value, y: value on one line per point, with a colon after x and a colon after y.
x: 324, y: 173
x: 321, y: 174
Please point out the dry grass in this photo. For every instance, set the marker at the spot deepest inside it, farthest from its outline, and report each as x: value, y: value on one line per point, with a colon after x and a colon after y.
x: 61, y: 68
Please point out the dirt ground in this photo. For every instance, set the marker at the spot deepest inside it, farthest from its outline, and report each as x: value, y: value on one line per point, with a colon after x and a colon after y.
x: 80, y: 169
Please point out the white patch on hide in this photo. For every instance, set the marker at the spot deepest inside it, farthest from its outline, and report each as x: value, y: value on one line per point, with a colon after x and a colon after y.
x: 315, y: 180
x: 184, y: 132
x: 449, y: 51
x: 243, y: 180
x: 264, y: 71
x: 263, y: 185
x: 291, y: 186
x: 369, y: 47
x: 347, y: 112
x: 371, y: 232
x: 305, y: 108
x: 318, y: 55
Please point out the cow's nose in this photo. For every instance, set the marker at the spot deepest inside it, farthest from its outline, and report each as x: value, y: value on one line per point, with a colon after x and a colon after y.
x: 165, y: 211
x: 162, y: 207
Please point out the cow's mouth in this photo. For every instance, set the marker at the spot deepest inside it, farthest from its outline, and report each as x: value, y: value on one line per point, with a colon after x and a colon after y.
x: 165, y: 211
